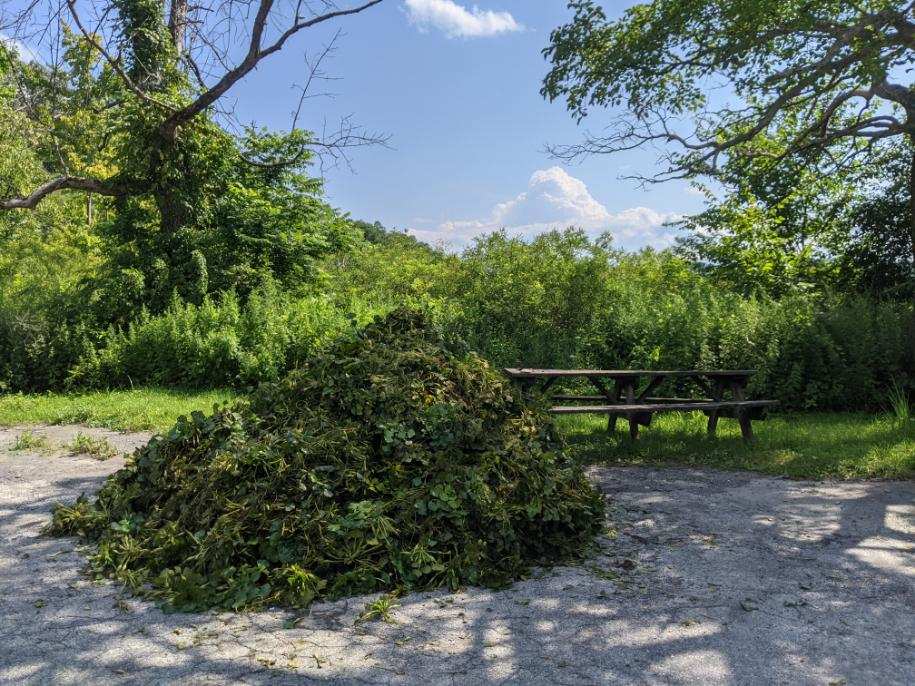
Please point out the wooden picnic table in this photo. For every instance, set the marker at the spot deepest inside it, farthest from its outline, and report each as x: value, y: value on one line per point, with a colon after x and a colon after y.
x: 631, y: 394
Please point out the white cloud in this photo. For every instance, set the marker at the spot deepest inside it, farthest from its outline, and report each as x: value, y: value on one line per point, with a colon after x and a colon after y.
x: 457, y: 21
x: 24, y: 52
x: 555, y: 200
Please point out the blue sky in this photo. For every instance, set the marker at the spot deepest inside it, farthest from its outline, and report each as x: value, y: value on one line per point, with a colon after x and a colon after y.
x: 467, y: 125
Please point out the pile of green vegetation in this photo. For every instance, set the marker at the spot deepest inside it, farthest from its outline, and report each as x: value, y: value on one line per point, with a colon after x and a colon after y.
x: 392, y: 461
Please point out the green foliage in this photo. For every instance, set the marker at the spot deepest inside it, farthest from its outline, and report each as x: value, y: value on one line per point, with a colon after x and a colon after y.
x: 878, y: 258
x: 242, y: 218
x: 379, y: 610
x: 793, y: 93
x: 218, y: 343
x: 786, y: 225
x: 45, y: 254
x: 138, y: 409
x: 533, y: 303
x: 223, y: 217
x: 37, y: 346
x: 145, y: 39
x: 390, y: 462
x: 201, y: 214
x: 663, y: 58
x: 99, y: 448
x: 562, y: 301
x: 28, y: 440
x: 393, y: 269
x: 900, y: 406
x: 778, y: 228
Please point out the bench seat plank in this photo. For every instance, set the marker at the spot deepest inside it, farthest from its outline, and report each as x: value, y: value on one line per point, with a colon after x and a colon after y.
x: 527, y: 373
x: 603, y: 398
x: 623, y: 408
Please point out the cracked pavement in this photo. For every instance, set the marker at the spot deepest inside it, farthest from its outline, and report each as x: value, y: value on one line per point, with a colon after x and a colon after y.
x: 703, y: 576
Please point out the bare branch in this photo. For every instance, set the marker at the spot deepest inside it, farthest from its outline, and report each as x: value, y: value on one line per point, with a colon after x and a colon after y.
x: 256, y: 52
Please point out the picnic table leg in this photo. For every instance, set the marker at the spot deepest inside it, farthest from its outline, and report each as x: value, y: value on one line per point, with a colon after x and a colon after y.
x: 615, y: 397
x: 547, y: 384
x: 717, y: 395
x: 633, y: 429
x: 527, y: 386
x: 743, y: 417
x: 746, y: 428
x: 611, y: 419
x: 633, y: 417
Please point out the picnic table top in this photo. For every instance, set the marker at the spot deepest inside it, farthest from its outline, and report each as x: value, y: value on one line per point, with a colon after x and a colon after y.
x: 528, y: 373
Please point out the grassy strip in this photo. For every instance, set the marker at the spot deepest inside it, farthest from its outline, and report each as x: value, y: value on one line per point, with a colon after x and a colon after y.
x: 815, y: 445
x: 145, y: 409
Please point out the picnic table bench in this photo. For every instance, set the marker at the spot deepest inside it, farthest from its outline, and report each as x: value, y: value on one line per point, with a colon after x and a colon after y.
x: 631, y: 395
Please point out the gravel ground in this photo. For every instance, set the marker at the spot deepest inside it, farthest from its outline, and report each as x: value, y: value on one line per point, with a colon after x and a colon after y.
x: 705, y: 577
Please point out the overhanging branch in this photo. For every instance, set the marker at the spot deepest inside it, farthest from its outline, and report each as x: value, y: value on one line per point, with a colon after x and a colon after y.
x: 59, y: 184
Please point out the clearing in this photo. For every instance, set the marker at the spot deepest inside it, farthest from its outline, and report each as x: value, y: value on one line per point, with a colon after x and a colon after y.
x: 708, y: 576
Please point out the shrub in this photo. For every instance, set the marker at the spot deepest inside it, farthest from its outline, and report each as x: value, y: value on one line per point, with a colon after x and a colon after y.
x: 535, y: 303
x: 560, y: 300
x: 390, y: 462
x: 99, y: 448
x: 38, y: 347
x: 218, y: 344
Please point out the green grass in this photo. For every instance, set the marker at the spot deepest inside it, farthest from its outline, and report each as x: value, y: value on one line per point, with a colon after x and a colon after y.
x: 99, y: 448
x: 815, y: 445
x: 30, y: 441
x: 151, y: 409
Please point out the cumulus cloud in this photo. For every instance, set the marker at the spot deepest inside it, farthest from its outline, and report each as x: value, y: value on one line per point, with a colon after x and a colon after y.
x: 457, y: 21
x: 555, y: 199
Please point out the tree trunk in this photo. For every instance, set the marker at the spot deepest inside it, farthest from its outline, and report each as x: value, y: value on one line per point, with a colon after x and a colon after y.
x: 172, y: 212
x: 177, y: 23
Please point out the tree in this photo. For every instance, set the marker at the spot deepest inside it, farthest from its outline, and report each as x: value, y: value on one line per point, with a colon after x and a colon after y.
x: 171, y: 68
x: 126, y: 109
x: 708, y: 77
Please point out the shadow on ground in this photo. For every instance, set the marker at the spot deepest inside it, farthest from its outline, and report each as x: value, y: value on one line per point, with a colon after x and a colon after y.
x: 704, y: 577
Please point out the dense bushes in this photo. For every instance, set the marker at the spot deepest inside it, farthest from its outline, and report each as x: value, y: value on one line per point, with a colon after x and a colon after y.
x: 390, y: 462
x: 808, y: 352
x: 536, y: 304
x: 560, y: 300
x: 223, y: 343
x: 38, y: 348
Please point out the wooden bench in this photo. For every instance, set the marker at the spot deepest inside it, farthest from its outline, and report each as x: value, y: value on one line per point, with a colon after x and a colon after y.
x: 633, y: 403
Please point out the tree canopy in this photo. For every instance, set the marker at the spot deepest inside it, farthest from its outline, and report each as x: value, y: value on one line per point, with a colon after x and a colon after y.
x: 710, y: 77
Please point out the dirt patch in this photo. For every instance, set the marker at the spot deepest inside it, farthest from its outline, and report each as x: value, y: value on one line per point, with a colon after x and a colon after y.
x: 703, y: 577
